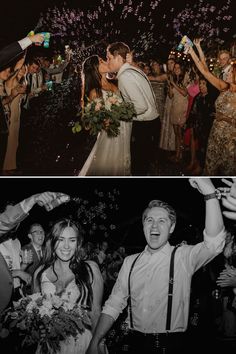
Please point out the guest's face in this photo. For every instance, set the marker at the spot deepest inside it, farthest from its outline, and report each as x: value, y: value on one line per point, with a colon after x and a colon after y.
x: 114, y: 62
x: 66, y: 244
x: 170, y: 65
x: 177, y: 70
x: 5, y: 74
x: 103, y: 66
x: 157, y: 228
x: 33, y: 68
x: 224, y: 59
x: 37, y: 235
x: 147, y: 69
x: 156, y: 67
x: 203, y: 87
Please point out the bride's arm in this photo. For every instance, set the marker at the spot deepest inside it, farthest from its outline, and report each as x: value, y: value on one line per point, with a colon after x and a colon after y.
x: 97, y: 287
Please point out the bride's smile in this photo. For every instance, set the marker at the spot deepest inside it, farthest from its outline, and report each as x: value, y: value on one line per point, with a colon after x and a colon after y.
x: 67, y: 244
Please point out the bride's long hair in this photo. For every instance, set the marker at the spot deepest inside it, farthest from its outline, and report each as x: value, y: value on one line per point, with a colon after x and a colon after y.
x: 91, y: 77
x: 81, y: 269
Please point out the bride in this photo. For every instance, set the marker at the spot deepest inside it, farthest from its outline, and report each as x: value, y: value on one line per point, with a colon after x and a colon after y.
x: 110, y: 156
x: 63, y: 273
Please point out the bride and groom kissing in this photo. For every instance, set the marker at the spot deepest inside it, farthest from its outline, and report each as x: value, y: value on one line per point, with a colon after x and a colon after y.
x: 133, y: 151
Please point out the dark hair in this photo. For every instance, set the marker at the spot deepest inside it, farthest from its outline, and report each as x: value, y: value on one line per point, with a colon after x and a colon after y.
x: 82, y: 270
x: 212, y: 91
x: 119, y: 48
x: 160, y: 204
x: 179, y: 80
x: 30, y: 61
x: 91, y: 77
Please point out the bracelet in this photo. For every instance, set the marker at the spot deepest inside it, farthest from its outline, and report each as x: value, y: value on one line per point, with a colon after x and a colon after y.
x: 216, y: 194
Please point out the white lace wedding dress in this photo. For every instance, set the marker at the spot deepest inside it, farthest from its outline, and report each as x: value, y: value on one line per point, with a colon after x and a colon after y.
x: 72, y: 345
x: 110, y: 156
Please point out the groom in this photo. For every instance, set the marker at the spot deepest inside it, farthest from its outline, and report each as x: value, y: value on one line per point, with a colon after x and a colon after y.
x: 135, y: 87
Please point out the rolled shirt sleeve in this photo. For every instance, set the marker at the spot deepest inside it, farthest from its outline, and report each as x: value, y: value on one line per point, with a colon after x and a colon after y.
x: 202, y: 253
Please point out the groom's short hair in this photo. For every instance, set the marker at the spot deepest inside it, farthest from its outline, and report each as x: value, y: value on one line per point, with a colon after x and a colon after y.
x: 119, y: 48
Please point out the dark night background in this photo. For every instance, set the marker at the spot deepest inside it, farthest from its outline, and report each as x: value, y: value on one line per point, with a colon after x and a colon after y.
x: 135, y: 193
x: 19, y: 17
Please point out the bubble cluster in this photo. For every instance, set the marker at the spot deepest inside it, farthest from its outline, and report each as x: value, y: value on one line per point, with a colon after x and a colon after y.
x: 145, y: 26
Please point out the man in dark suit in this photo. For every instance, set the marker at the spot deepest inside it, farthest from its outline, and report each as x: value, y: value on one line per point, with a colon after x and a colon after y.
x: 7, y: 55
x: 9, y: 219
x: 36, y: 235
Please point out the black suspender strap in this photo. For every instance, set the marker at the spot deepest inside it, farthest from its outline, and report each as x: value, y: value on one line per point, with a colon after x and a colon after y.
x: 129, y: 292
x: 170, y: 292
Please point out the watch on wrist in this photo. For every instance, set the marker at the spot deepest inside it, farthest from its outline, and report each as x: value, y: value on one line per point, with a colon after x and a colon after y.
x: 216, y: 194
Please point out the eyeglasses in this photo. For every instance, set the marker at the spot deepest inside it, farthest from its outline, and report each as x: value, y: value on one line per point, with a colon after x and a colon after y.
x: 38, y: 232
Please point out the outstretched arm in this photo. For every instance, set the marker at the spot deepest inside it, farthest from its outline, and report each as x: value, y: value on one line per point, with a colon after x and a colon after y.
x: 197, y: 43
x: 213, y: 218
x: 215, y: 81
x: 14, y: 214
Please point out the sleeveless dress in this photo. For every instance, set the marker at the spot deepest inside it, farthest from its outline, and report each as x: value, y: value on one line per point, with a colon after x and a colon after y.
x: 110, y: 156
x: 72, y: 345
x: 221, y: 149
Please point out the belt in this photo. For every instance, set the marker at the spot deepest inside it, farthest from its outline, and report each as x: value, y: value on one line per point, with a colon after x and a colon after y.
x: 231, y: 121
x: 160, y: 340
x: 160, y: 335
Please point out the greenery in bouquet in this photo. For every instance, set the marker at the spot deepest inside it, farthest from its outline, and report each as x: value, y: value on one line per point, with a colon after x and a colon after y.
x: 44, y: 321
x: 105, y: 114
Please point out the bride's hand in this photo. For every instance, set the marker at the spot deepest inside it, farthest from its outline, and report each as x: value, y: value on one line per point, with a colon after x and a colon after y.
x: 106, y: 123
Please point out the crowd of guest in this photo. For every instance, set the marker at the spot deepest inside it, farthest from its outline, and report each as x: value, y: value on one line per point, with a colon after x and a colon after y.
x: 28, y: 85
x: 38, y: 88
x: 187, y: 103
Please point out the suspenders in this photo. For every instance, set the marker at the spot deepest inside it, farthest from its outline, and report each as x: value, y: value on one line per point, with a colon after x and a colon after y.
x: 129, y: 292
x: 170, y: 291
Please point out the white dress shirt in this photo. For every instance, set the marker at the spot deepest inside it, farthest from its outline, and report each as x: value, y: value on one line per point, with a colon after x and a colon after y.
x: 150, y: 281
x: 136, y: 88
x: 227, y: 73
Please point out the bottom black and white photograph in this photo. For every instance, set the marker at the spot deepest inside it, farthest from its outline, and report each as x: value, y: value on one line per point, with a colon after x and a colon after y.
x: 117, y: 265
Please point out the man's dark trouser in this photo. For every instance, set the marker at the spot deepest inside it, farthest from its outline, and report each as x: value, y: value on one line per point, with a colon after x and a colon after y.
x: 144, y: 146
x: 159, y: 343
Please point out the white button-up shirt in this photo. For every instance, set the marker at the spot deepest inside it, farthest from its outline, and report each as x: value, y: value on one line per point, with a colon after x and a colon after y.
x: 135, y: 87
x: 150, y: 283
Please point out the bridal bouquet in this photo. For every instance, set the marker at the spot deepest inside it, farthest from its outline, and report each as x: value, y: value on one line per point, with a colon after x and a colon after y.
x: 44, y: 321
x: 100, y: 114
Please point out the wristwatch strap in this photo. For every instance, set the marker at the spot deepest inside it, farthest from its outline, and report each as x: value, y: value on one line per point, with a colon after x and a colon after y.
x: 216, y: 194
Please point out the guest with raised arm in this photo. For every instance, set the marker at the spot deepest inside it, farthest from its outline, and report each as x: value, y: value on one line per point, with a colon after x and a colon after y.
x: 221, y: 150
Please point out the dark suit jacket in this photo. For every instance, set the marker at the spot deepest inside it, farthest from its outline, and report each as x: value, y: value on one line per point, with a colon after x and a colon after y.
x: 8, y: 220
x: 9, y: 53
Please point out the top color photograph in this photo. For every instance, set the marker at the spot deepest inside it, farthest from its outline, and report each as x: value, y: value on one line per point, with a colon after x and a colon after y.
x: 118, y: 88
